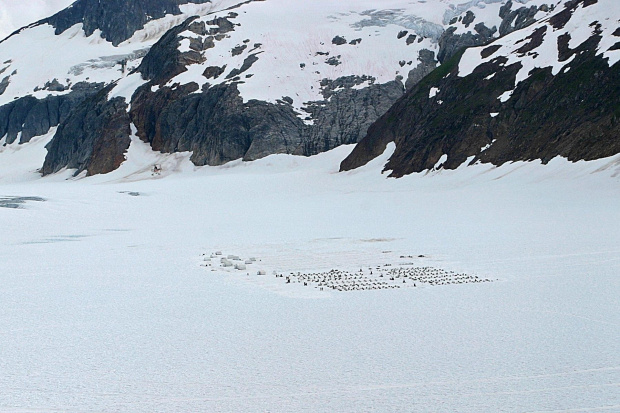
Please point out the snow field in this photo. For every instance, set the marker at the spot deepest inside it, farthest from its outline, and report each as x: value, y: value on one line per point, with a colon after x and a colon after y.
x: 105, y: 306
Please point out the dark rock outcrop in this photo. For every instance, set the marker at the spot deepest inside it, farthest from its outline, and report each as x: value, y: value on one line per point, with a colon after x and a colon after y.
x: 574, y: 114
x: 215, y: 124
x: 469, y: 18
x: 164, y: 60
x: 426, y: 65
x: 344, y: 117
x: 339, y: 41
x: 34, y: 117
x: 247, y: 64
x: 118, y: 20
x: 515, y: 19
x: 4, y: 83
x: 450, y: 43
x: 93, y: 138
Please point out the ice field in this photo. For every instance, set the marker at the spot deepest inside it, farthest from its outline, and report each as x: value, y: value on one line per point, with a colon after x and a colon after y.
x: 106, y: 304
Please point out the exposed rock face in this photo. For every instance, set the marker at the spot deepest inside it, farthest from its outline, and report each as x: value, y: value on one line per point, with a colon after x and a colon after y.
x: 517, y: 19
x: 219, y: 127
x: 93, y: 138
x: 450, y: 43
x: 118, y: 20
x: 215, y: 124
x: 164, y: 61
x: 427, y: 65
x: 34, y: 117
x: 344, y: 117
x: 574, y: 114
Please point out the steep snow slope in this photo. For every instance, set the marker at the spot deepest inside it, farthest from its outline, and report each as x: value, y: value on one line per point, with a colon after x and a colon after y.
x: 15, y: 14
x: 72, y: 57
x: 294, y: 56
x: 304, y: 30
x: 324, y: 40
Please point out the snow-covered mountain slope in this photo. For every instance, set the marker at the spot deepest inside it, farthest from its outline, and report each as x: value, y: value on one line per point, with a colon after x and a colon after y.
x: 314, y: 81
x: 15, y: 14
x: 37, y: 55
x: 543, y: 91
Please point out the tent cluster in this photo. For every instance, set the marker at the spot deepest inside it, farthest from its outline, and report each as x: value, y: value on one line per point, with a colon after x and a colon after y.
x: 379, y: 278
x: 230, y: 261
x: 382, y: 277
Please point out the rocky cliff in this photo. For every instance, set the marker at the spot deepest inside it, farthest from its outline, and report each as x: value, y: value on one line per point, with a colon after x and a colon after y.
x: 512, y: 100
x: 208, y: 78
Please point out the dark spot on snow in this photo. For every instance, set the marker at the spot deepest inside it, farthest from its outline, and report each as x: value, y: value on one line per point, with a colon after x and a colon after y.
x: 564, y: 51
x: 617, y: 32
x: 237, y: 50
x: 339, y: 40
x: 130, y: 193
x: 559, y: 20
x: 355, y: 41
x: 402, y: 34
x: 322, y: 53
x: 285, y: 100
x: 4, y: 84
x: 213, y: 72
x: 411, y: 39
x: 536, y: 39
x: 247, y: 63
x: 256, y: 46
x: 56, y: 239
x: 488, y: 51
x: 469, y: 18
x: 333, y: 61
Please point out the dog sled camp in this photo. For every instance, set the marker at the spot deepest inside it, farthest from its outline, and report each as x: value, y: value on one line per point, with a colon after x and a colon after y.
x: 392, y: 273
